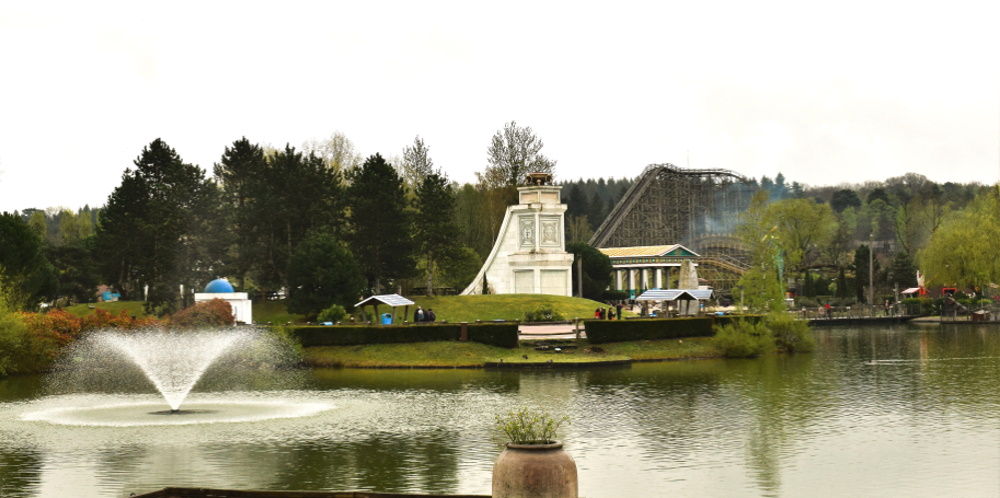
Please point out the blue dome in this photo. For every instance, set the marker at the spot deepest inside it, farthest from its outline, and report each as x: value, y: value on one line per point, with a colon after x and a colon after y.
x: 219, y: 286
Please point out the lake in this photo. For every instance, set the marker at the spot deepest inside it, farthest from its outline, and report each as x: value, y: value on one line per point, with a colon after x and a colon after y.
x: 906, y: 410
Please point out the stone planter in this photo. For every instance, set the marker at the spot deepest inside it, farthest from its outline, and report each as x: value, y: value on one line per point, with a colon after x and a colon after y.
x: 535, y: 471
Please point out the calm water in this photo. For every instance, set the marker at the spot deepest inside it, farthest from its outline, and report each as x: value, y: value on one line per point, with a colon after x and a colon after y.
x: 902, y: 411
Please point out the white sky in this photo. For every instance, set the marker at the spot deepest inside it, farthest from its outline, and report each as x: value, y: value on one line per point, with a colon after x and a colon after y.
x: 825, y: 93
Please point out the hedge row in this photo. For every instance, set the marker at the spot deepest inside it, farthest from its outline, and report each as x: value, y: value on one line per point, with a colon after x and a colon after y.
x: 495, y: 334
x: 603, y: 331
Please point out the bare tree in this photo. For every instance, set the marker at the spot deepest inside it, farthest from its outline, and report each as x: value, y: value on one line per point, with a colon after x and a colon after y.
x: 416, y: 163
x: 337, y: 151
x: 513, y: 153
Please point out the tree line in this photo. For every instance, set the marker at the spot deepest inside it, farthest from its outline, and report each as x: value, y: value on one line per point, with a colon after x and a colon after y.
x: 329, y: 226
x: 319, y: 222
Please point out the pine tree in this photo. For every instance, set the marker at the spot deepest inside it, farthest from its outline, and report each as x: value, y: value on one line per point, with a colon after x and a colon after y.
x: 435, y: 227
x: 379, y: 223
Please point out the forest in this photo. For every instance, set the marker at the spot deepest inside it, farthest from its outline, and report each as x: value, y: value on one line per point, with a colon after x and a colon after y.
x: 323, y: 225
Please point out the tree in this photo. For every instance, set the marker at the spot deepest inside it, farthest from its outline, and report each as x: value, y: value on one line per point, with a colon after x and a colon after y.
x: 417, y: 164
x: 158, y: 225
x: 322, y: 272
x: 514, y: 152
x: 78, y: 273
x: 960, y: 251
x: 764, y: 280
x: 239, y: 174
x: 862, y: 260
x: 435, y: 226
x: 844, y: 198
x: 25, y: 275
x: 902, y: 271
x: 597, y: 270
x: 380, y: 230
x: 803, y: 228
x: 296, y: 194
x: 473, y: 221
x: 337, y: 152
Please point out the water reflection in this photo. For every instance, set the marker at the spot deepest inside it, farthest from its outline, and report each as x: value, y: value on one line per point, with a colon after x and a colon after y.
x: 903, y: 410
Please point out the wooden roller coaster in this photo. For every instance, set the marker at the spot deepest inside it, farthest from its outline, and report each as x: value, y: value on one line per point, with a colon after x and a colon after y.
x: 696, y: 208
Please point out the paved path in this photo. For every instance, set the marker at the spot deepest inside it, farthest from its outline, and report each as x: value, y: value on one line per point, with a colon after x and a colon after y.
x: 549, y: 331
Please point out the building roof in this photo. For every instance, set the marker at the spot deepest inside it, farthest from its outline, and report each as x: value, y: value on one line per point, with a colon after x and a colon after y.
x: 219, y: 286
x: 389, y: 299
x: 666, y: 250
x: 675, y: 295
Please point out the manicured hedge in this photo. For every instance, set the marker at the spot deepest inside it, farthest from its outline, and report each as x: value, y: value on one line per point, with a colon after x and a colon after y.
x: 602, y: 331
x: 496, y: 334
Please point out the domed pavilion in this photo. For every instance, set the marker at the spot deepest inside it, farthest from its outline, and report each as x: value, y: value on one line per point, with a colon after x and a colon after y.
x: 220, y: 288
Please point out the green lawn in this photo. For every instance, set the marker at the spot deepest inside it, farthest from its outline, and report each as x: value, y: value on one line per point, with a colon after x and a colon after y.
x: 133, y: 308
x: 499, y: 307
x: 274, y: 312
x: 470, y: 354
x: 450, y: 308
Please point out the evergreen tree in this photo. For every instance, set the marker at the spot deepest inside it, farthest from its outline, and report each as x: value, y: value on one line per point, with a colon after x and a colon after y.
x: 322, y: 272
x: 239, y: 174
x: 157, y: 226
x: 597, y: 270
x: 435, y: 227
x: 26, y: 276
x: 379, y: 223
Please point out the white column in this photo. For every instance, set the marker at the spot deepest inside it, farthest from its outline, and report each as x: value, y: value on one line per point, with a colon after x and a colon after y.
x: 631, y: 278
x: 658, y: 278
x: 618, y: 279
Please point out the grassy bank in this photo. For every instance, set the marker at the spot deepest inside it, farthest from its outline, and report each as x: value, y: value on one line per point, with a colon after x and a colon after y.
x: 501, y: 306
x: 450, y: 308
x: 469, y: 354
x: 132, y: 308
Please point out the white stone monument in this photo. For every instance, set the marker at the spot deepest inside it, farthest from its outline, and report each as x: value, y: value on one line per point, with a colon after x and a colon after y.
x: 529, y: 256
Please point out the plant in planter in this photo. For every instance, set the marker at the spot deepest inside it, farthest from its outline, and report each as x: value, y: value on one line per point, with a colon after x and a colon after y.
x: 533, y: 463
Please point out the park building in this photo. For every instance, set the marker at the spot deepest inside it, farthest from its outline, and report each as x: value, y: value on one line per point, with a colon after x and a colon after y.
x: 220, y: 288
x: 640, y: 268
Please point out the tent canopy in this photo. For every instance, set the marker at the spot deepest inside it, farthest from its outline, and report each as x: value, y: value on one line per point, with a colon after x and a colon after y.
x: 675, y: 295
x: 391, y: 300
x: 386, y: 299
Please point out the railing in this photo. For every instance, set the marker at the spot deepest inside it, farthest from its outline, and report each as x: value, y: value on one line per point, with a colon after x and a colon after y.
x: 856, y: 311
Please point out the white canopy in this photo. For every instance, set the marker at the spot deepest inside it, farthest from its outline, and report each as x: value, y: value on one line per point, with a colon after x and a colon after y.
x: 675, y: 295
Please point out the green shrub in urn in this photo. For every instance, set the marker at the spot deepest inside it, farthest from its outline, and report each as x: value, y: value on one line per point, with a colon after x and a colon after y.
x: 524, y: 426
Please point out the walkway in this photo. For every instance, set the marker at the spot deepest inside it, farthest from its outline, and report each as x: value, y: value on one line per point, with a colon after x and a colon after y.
x: 549, y: 331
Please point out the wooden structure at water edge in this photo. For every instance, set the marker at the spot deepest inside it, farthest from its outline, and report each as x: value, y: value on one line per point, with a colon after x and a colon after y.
x: 234, y: 493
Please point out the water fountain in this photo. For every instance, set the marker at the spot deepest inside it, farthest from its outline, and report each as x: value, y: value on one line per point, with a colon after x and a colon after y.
x: 105, y: 379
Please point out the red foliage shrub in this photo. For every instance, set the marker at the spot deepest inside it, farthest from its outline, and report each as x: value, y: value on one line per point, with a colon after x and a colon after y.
x: 102, y: 319
x: 49, y: 333
x: 214, y: 313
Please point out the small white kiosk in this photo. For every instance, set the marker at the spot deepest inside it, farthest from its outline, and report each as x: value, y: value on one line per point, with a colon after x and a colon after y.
x: 220, y: 288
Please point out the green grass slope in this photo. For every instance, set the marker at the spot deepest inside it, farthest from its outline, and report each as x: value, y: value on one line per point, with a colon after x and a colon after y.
x: 133, y: 308
x: 499, y: 307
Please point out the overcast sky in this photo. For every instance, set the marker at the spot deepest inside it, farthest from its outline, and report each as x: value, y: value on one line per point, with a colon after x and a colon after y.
x: 824, y: 93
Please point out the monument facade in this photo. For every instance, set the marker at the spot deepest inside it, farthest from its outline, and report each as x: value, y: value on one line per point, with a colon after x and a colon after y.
x: 529, y: 256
